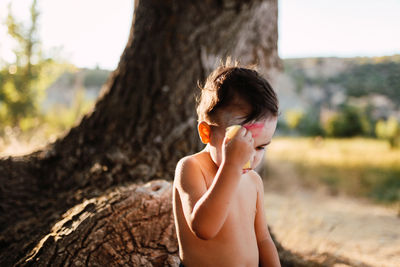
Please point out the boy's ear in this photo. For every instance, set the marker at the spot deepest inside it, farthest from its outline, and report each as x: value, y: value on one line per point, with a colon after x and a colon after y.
x: 204, y: 132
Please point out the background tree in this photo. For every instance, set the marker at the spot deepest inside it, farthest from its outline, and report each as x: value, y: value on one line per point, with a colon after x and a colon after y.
x: 18, y: 95
x: 349, y: 122
x: 23, y: 81
x: 79, y: 201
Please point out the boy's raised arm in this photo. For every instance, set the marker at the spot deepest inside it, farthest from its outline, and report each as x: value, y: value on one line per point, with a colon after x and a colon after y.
x: 205, y: 209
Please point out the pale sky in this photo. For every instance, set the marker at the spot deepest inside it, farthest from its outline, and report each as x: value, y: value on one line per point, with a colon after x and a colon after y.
x: 94, y: 32
x: 342, y: 28
x: 90, y: 32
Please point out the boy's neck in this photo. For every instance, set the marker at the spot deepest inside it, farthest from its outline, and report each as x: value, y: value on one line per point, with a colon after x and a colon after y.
x: 211, y: 160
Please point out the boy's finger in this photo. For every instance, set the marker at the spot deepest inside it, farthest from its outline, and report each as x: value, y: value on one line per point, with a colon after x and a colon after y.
x: 240, y: 132
x: 233, y: 130
x: 248, y: 134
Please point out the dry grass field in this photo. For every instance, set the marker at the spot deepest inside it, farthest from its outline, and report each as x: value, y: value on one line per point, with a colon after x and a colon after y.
x: 358, y: 167
x: 342, y: 216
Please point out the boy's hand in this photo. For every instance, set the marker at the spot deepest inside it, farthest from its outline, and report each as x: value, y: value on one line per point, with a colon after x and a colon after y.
x: 238, y: 149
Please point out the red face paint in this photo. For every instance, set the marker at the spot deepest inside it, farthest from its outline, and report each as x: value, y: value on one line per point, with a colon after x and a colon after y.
x: 254, y: 128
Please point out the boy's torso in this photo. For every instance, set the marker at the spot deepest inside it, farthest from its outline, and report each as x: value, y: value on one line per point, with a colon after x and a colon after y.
x: 235, y: 244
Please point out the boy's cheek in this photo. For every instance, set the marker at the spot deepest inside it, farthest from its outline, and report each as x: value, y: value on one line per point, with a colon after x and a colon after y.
x: 258, y: 158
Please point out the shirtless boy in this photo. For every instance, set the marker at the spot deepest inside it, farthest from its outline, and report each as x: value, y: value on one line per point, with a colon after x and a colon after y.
x: 218, y: 206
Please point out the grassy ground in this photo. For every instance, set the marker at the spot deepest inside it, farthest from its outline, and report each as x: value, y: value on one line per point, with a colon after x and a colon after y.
x: 358, y: 167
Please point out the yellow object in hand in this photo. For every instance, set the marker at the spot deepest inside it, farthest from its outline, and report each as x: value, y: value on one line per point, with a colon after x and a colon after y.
x: 231, y: 131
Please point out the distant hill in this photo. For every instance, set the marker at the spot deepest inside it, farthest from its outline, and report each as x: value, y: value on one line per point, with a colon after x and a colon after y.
x: 331, y: 82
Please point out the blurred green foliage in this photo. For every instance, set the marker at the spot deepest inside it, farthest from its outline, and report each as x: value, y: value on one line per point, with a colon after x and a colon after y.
x: 19, y: 92
x: 389, y: 130
x: 309, y: 124
x: 348, y: 122
x: 302, y: 123
x: 23, y: 84
x: 293, y: 118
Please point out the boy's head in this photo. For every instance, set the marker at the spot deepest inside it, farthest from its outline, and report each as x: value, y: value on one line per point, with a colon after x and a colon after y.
x: 232, y: 87
x: 235, y: 95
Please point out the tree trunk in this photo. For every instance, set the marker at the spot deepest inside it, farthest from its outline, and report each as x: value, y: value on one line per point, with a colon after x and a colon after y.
x: 74, y: 203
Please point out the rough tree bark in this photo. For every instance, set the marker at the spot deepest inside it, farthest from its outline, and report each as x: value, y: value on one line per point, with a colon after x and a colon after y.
x: 80, y: 201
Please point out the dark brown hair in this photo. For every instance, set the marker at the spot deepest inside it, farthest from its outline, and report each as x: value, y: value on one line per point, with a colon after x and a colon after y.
x: 230, y: 85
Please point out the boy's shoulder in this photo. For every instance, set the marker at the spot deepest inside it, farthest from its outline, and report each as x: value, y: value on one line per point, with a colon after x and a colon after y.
x: 197, y: 160
x: 186, y: 162
x: 189, y: 175
x: 256, y: 179
x: 191, y: 163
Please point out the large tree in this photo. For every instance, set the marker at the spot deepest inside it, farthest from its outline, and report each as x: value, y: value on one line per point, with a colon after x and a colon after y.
x: 80, y: 201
